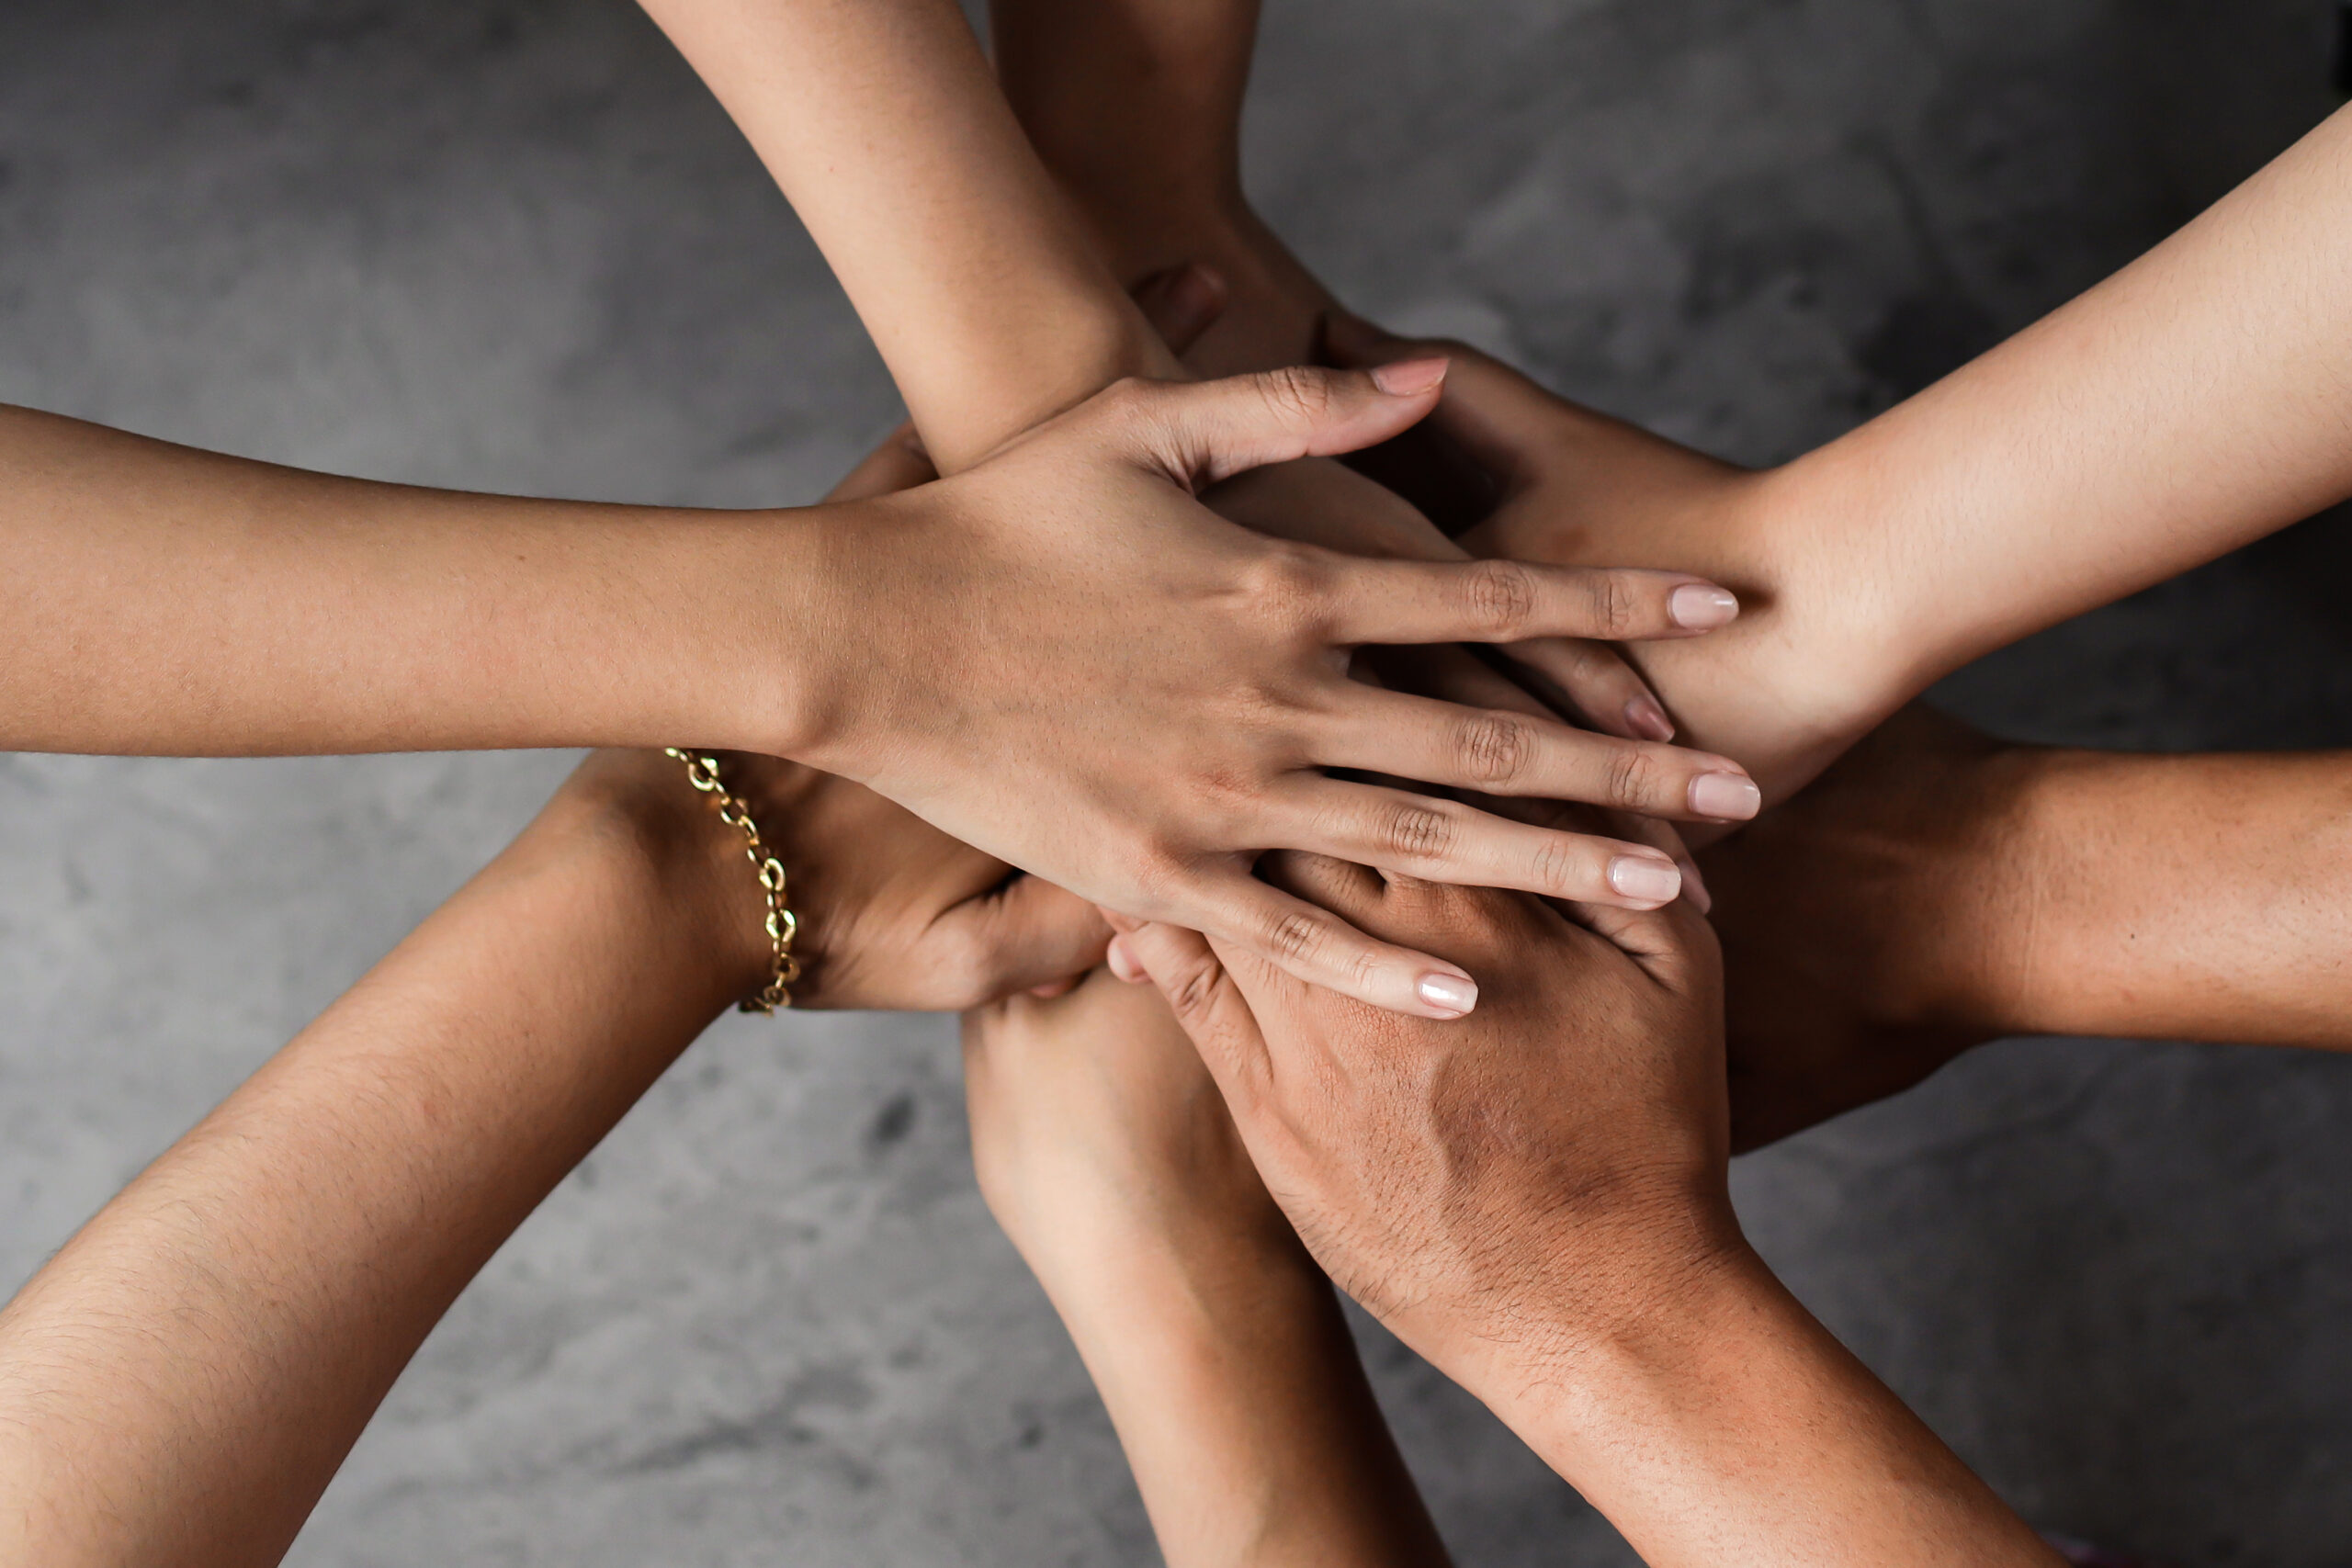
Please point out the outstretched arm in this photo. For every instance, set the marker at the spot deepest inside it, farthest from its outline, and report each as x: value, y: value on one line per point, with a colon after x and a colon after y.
x: 2195, y: 401
x: 1136, y: 106
x: 179, y: 1383
x: 1937, y: 888
x: 882, y: 124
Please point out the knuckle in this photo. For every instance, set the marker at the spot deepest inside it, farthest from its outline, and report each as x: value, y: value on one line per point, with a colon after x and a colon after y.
x: 1415, y: 832
x: 1503, y: 599
x: 1613, y: 606
x: 1194, y: 992
x: 1559, y: 866
x: 1495, y: 748
x: 1295, y: 936
x: 1288, y: 587
x: 1297, y: 394
x: 1634, y: 777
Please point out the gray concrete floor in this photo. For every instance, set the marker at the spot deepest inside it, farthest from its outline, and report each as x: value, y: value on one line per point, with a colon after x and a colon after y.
x: 512, y: 245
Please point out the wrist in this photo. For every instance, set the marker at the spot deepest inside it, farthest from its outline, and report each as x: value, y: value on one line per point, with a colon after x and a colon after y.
x: 636, y: 807
x: 1603, y: 1362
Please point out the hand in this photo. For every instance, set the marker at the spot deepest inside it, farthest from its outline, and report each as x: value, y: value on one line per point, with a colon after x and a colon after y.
x: 1867, y: 924
x: 1483, y: 1187
x: 893, y: 914
x: 1785, y: 689
x: 1161, y: 699
x: 1535, y: 1200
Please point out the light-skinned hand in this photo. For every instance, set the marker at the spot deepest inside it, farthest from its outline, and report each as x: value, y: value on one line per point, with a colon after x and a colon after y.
x: 1527, y: 475
x: 1136, y: 712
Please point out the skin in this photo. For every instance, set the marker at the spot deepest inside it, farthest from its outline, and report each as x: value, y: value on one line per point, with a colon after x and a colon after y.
x: 1535, y: 1198
x: 1104, y: 1151
x: 2193, y: 402
x: 2190, y: 404
x: 993, y: 306
x: 181, y: 1381
x: 1937, y: 889
x: 249, y: 608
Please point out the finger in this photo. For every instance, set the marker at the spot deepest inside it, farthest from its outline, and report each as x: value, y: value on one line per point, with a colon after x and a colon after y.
x: 1444, y: 840
x: 1597, y: 684
x: 1555, y: 676
x: 1321, y: 949
x: 1510, y: 600
x: 1182, y: 303
x: 1502, y: 421
x: 1120, y: 960
x: 1500, y: 752
x: 900, y: 463
x: 1201, y: 992
x: 1674, y: 945
x: 1201, y: 432
x: 1025, y: 935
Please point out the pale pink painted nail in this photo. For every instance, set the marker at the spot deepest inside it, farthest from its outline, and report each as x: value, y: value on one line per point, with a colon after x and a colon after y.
x: 1646, y: 719
x: 1450, y: 995
x: 1702, y: 606
x: 1410, y: 377
x: 1645, y: 879
x: 1727, y: 797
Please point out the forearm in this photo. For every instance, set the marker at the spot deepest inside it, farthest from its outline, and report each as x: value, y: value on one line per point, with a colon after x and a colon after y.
x: 2176, y: 898
x: 1723, y: 1425
x: 1136, y: 108
x: 1240, y: 1399
x: 2198, y: 399
x: 164, y: 601
x: 179, y: 1383
x: 881, y: 122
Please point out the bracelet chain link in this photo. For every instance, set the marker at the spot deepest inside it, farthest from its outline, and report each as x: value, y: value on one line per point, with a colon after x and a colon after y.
x: 782, y: 926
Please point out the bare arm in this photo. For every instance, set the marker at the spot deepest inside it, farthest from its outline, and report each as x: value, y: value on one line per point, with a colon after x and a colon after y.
x: 1536, y: 1199
x: 881, y: 121
x: 1937, y: 889
x: 180, y: 1383
x: 1216, y: 1342
x: 2198, y: 399
x: 161, y: 600
x: 1136, y: 106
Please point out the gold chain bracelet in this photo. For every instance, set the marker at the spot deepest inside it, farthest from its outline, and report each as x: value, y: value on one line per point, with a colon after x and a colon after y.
x: 702, y: 772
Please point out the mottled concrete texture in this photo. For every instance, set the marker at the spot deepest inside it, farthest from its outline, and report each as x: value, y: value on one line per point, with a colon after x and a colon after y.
x: 510, y: 244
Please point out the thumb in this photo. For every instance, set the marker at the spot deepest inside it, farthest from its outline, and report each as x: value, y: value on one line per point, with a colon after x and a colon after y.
x: 1501, y: 420
x: 1200, y: 993
x: 1206, y: 431
x: 1025, y: 935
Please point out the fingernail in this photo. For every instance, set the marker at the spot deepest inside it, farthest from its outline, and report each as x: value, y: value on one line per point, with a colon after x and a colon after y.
x: 1410, y: 377
x: 1701, y: 606
x: 1645, y: 878
x: 1727, y: 797
x: 1646, y: 719
x: 1449, y: 996
x: 1122, y: 960
x: 1694, y: 887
